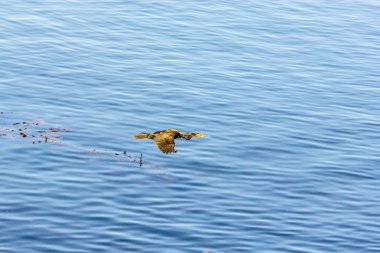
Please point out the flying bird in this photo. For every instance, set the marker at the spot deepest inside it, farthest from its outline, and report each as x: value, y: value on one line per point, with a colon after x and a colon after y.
x: 164, y: 139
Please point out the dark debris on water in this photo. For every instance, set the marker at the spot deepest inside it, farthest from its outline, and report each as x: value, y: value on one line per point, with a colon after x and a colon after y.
x: 33, y: 130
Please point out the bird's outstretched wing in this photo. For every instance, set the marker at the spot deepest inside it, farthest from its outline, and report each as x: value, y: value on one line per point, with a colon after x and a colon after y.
x: 165, y: 143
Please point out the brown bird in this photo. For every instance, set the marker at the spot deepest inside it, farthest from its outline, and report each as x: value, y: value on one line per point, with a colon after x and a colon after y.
x: 164, y: 139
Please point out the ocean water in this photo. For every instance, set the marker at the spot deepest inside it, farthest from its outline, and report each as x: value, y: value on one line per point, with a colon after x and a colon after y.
x: 288, y: 93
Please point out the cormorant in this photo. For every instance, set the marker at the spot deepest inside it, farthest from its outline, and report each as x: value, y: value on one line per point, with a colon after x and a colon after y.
x: 164, y: 139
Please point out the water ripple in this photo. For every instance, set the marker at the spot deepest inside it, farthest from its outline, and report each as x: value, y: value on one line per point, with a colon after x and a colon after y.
x: 287, y: 93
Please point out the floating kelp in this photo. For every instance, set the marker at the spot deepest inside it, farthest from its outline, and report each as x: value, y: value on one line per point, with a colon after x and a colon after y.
x: 39, y: 132
x: 24, y: 123
x: 55, y: 130
x: 33, y: 130
x: 36, y: 132
x: 119, y: 155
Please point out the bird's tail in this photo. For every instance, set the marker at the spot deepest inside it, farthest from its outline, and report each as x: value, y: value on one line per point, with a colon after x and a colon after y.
x: 141, y: 136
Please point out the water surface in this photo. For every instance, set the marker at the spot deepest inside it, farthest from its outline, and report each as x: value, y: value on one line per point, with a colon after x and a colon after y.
x: 287, y: 92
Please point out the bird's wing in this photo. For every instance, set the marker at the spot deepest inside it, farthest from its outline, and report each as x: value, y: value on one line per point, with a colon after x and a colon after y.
x: 165, y: 144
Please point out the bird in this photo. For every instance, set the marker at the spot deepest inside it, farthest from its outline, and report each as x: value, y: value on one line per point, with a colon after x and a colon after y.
x: 164, y: 139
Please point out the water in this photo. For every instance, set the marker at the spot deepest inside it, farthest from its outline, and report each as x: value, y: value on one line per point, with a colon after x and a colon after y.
x: 287, y: 92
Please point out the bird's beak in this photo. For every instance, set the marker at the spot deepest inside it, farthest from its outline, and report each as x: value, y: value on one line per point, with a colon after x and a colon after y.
x: 200, y: 135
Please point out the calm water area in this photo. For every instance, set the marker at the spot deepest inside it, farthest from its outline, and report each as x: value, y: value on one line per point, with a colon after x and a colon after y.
x: 288, y: 93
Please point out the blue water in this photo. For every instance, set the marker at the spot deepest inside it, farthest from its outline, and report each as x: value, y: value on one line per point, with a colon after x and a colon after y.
x: 288, y: 93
